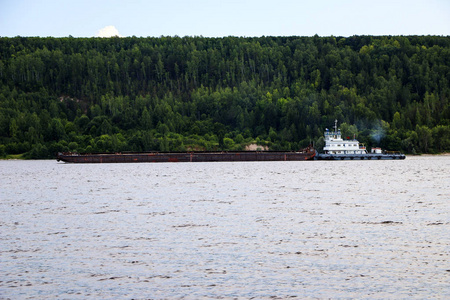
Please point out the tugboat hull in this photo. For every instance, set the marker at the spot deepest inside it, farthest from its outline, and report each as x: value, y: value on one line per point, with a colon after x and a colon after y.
x: 368, y: 156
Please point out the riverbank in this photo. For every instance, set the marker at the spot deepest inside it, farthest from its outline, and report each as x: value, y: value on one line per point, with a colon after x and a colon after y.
x: 14, y: 157
x: 23, y: 155
x: 428, y: 154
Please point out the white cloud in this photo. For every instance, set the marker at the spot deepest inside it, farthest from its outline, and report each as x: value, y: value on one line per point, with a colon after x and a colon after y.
x: 108, y: 31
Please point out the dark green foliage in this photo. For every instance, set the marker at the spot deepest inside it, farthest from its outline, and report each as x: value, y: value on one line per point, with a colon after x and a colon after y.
x: 195, y: 93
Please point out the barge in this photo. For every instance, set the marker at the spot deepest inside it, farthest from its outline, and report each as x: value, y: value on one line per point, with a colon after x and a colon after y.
x: 337, y: 148
x: 196, y: 156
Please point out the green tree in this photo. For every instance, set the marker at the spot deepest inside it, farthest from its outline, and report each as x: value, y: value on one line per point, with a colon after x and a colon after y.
x: 146, y: 120
x: 425, y: 138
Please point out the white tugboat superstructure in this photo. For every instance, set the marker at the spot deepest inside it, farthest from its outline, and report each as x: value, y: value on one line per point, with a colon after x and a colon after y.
x: 336, y: 148
x: 334, y: 144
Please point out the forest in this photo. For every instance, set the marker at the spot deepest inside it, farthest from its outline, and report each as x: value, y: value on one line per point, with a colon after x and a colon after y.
x: 195, y: 93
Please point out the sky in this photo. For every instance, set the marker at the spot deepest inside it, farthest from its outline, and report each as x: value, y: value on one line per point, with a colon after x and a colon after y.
x: 218, y: 18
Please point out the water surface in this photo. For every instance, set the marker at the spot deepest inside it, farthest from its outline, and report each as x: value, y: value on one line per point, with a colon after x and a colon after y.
x: 320, y: 229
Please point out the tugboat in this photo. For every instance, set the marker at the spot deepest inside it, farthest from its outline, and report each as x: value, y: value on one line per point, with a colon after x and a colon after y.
x: 337, y: 148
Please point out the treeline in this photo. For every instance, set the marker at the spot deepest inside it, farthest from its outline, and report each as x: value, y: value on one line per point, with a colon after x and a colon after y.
x: 195, y: 93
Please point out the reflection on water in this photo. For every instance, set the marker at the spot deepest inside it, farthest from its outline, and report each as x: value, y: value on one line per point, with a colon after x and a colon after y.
x: 368, y: 229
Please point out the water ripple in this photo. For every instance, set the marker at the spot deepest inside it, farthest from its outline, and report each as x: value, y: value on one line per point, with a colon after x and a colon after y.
x: 276, y: 230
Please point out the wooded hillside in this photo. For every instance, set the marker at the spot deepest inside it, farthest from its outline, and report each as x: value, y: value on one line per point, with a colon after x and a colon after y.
x: 173, y: 93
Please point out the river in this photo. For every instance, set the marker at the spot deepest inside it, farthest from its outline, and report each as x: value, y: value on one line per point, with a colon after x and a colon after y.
x: 315, y: 229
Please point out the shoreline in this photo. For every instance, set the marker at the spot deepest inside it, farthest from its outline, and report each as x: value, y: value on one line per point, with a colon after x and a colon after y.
x: 428, y: 154
x: 407, y: 155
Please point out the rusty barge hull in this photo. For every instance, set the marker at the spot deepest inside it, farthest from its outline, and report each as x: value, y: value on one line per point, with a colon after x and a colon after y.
x: 156, y: 157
